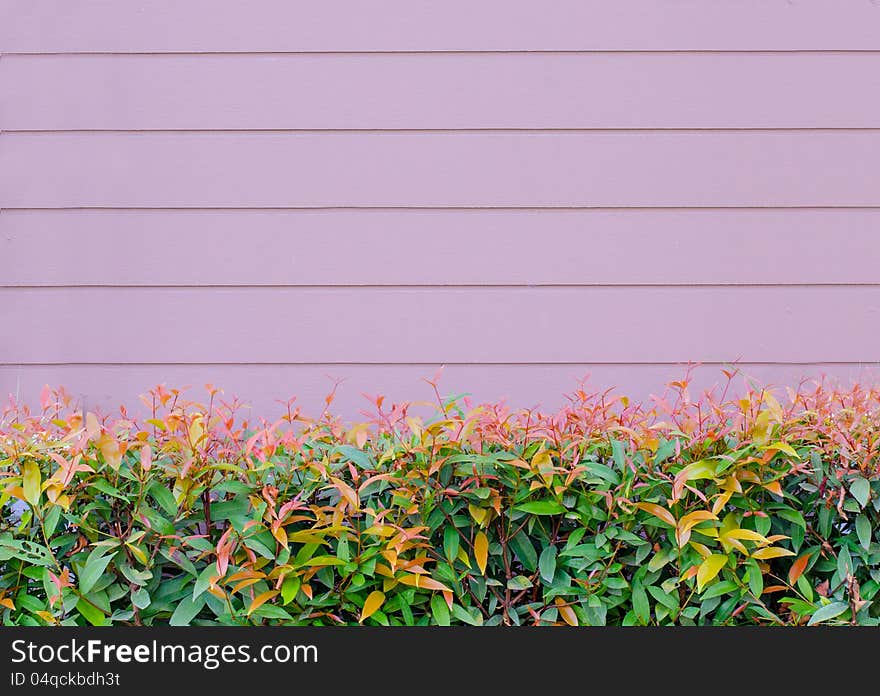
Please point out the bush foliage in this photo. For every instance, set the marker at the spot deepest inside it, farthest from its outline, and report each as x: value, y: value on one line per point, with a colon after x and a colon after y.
x: 758, y: 509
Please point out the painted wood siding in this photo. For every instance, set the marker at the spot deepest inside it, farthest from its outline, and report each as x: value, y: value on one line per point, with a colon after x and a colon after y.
x: 272, y: 195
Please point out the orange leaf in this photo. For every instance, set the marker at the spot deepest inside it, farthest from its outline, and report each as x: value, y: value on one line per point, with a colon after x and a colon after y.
x: 346, y: 492
x: 422, y: 582
x: 798, y: 567
x: 566, y: 612
x: 280, y: 534
x: 692, y: 519
x: 245, y: 584
x: 774, y: 487
x: 658, y: 511
x: 774, y: 588
x: 481, y: 551
x: 261, y: 599
x: 372, y: 604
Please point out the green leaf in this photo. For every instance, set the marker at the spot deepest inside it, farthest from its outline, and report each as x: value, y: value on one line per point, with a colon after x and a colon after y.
x: 359, y: 457
x: 94, y: 566
x: 525, y: 552
x: 186, y: 610
x: 792, y: 516
x: 203, y: 582
x: 90, y: 613
x: 756, y: 579
x: 541, y: 507
x: 717, y: 589
x: 140, y: 598
x: 450, y: 542
x: 618, y: 454
x: 844, y: 562
x: 641, y: 606
x: 440, y: 610
x: 25, y: 550
x: 50, y: 523
x: 863, y: 530
x: 290, y: 587
x: 163, y: 498
x: 519, y: 582
x: 104, y: 486
x: 272, y: 611
x: 861, y: 490
x: 547, y: 563
x: 828, y: 612
x: 471, y: 617
x: 667, y: 599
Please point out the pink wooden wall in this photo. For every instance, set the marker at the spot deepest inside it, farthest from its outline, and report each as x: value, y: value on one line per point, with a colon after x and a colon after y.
x: 270, y: 194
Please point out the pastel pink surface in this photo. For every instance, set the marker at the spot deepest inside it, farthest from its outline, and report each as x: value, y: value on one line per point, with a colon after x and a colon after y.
x: 269, y: 195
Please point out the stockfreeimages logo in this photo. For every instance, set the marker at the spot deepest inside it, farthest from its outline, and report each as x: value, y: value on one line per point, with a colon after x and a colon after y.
x: 208, y: 656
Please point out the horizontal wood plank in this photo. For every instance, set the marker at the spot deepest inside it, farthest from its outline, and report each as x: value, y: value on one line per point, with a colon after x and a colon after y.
x: 422, y: 25
x: 520, y: 325
x: 438, y: 247
x: 733, y: 168
x: 446, y: 91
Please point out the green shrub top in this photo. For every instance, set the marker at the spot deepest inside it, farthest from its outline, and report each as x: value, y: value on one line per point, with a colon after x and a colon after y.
x: 751, y: 510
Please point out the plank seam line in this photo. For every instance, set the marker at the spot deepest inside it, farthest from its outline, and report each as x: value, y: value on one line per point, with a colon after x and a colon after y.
x: 434, y: 286
x: 393, y: 52
x: 249, y: 363
x: 403, y: 208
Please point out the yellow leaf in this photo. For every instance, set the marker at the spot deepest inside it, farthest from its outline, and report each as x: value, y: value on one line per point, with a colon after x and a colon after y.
x: 702, y: 549
x: 478, y: 513
x: 137, y: 551
x: 720, y: 501
x: 703, y: 469
x: 566, y: 612
x: 773, y: 406
x: 260, y: 600
x: 783, y: 447
x: 110, y: 450
x: 709, y: 568
x: 372, y: 604
x: 31, y: 482
x: 481, y: 551
x: 732, y: 484
x: 384, y: 570
x: 415, y: 424
x: 543, y: 462
x: 771, y: 552
x: 196, y: 431
x: 658, y: 511
x: 7, y: 602
x: 746, y: 534
x: 761, y: 429
x: 93, y: 427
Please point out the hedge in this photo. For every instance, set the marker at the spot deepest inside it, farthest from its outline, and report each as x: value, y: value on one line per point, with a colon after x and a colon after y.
x: 759, y: 509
